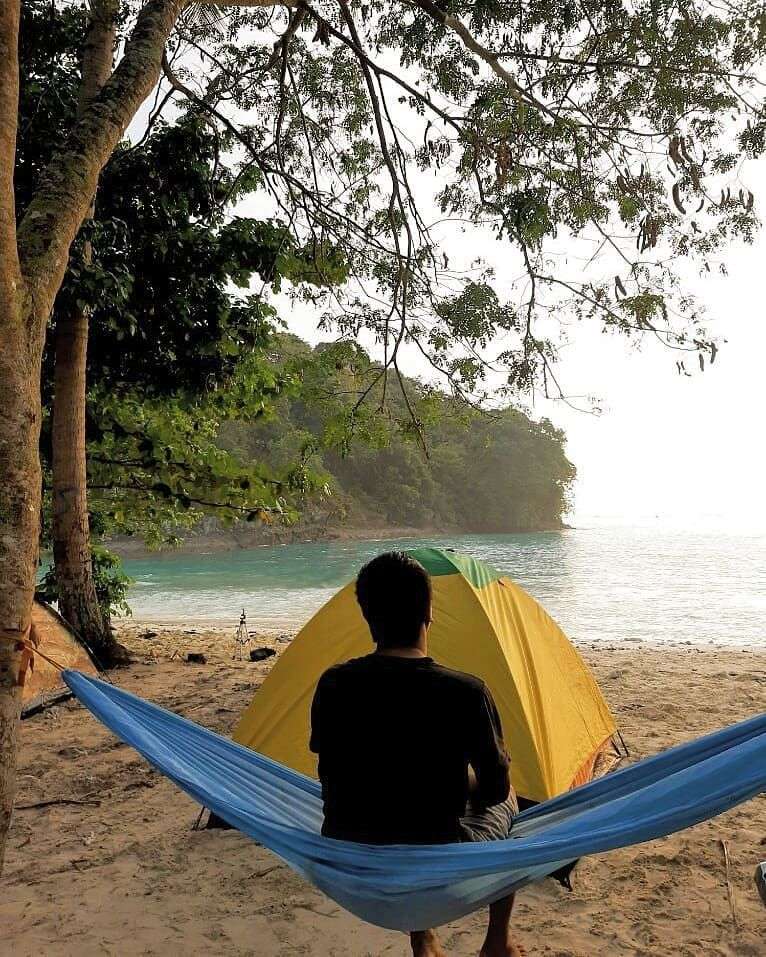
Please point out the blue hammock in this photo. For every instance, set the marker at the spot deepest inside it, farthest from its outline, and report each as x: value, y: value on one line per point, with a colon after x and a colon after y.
x: 407, y: 887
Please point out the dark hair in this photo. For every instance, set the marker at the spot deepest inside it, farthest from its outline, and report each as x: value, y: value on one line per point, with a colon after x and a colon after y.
x: 394, y: 593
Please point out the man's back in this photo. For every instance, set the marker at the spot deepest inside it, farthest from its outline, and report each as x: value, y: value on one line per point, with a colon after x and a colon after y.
x: 395, y: 736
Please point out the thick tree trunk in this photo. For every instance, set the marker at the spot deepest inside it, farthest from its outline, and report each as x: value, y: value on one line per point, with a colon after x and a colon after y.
x: 19, y: 529
x: 78, y: 602
x: 19, y: 434
x: 61, y: 204
x: 32, y: 264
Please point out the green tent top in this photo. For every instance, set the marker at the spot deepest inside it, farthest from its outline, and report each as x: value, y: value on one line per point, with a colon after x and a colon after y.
x: 437, y: 561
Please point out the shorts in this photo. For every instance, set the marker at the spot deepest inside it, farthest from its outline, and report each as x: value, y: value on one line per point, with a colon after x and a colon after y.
x: 493, y: 823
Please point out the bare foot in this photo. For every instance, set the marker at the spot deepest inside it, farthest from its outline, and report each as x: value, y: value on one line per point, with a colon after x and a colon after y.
x: 508, y: 948
x: 425, y: 943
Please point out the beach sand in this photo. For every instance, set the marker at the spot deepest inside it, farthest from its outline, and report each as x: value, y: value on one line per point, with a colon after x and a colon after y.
x: 129, y: 876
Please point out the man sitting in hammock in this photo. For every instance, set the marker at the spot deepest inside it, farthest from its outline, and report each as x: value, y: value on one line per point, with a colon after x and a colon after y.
x: 411, y: 752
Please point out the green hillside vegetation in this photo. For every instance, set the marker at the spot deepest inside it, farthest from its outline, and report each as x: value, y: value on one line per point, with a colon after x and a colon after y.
x: 430, y: 461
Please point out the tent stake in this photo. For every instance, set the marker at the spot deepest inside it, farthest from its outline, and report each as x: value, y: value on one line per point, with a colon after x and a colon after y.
x: 729, y: 888
x: 622, y: 741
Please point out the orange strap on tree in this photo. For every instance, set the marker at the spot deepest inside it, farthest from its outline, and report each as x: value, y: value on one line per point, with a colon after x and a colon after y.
x: 29, y: 649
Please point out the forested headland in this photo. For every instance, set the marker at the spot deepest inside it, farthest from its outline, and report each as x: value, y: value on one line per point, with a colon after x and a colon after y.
x: 429, y: 462
x: 477, y: 471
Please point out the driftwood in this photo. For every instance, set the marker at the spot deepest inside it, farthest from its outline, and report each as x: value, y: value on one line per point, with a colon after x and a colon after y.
x: 53, y: 801
x: 264, y: 872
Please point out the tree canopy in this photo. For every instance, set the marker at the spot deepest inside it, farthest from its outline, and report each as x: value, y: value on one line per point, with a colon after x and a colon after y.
x: 599, y: 142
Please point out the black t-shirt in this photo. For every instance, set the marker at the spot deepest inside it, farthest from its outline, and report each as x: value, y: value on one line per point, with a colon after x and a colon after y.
x: 395, y: 737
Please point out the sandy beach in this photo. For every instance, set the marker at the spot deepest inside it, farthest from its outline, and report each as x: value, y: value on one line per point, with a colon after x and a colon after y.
x: 122, y: 872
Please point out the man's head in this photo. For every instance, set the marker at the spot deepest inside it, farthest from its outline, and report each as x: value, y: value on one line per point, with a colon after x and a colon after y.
x: 394, y: 593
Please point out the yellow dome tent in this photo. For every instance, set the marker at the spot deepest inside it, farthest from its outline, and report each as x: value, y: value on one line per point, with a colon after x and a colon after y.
x: 555, y: 720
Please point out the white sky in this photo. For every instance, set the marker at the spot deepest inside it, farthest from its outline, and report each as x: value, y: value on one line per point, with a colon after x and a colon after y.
x: 682, y: 449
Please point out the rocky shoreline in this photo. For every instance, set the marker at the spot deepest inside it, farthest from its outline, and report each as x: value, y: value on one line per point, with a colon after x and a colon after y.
x: 242, y: 537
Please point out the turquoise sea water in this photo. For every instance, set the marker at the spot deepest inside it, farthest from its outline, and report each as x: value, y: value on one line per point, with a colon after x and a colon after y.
x: 598, y: 583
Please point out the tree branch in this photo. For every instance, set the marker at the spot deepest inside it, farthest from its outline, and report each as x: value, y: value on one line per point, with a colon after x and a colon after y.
x: 60, y: 205
x: 321, y: 210
x: 292, y: 4
x: 190, y: 499
x: 10, y: 275
x: 488, y: 56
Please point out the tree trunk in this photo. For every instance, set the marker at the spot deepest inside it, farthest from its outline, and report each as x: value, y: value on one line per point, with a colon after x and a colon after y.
x: 71, y: 533
x: 20, y: 482
x: 78, y: 602
x: 33, y: 260
x: 19, y: 434
x: 57, y: 210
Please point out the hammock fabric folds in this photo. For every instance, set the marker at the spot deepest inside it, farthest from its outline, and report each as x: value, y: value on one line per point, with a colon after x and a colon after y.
x: 409, y: 888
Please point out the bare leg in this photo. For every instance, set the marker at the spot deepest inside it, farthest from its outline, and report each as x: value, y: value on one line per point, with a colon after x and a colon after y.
x: 425, y: 943
x: 498, y: 942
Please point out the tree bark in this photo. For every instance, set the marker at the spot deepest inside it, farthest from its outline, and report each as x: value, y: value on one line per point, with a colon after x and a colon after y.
x: 33, y: 259
x: 58, y: 209
x: 78, y: 601
x: 19, y: 434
